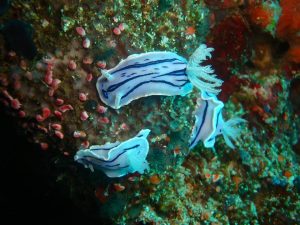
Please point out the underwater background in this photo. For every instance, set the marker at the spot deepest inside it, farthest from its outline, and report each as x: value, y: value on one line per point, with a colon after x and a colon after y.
x: 150, y: 111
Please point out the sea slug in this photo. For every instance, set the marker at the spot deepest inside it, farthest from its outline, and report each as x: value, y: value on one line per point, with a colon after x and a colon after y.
x: 119, y: 158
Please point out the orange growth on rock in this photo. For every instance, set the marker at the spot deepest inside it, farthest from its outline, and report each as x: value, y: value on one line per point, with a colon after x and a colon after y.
x: 205, y: 215
x: 154, y: 179
x: 289, y: 21
x: 287, y: 174
x: 119, y: 187
x: 190, y: 30
x: 216, y: 177
x: 207, y: 175
x: 176, y: 151
x: 100, y: 194
x: 293, y: 55
x: 167, y: 139
x: 260, y: 16
x: 259, y: 111
x: 237, y: 180
x: 280, y: 158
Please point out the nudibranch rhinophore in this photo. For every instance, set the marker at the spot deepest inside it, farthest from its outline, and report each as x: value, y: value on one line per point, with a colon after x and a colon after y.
x: 209, y: 122
x: 119, y: 158
x: 156, y: 73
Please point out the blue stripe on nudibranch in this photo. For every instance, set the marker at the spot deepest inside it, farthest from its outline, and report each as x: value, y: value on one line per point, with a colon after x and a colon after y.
x: 115, y: 86
x: 210, y: 115
x: 218, y: 116
x: 102, y: 149
x: 201, y: 125
x: 88, y: 161
x: 108, y: 147
x: 173, y: 73
x: 112, y: 165
x: 177, y: 63
x: 105, y: 94
x: 133, y: 77
x: 124, y: 151
x: 117, y: 159
x: 144, y: 65
x: 152, y: 81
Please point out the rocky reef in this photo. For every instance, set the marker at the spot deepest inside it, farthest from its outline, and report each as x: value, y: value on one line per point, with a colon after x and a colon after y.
x: 53, y: 53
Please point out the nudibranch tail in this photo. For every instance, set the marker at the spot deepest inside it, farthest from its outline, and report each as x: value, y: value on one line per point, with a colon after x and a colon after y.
x: 202, y: 77
x: 230, y: 131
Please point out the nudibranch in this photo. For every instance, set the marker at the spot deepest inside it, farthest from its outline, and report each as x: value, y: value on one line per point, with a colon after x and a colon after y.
x: 119, y: 158
x: 156, y: 73
x: 141, y: 75
x: 209, y: 122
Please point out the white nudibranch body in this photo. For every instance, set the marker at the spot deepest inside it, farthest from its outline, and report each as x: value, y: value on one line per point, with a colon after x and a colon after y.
x: 119, y: 158
x: 156, y: 73
x: 141, y: 75
x: 209, y: 122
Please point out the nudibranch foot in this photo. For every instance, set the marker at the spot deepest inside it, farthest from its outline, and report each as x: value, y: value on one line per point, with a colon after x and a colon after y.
x: 202, y: 77
x: 119, y: 158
